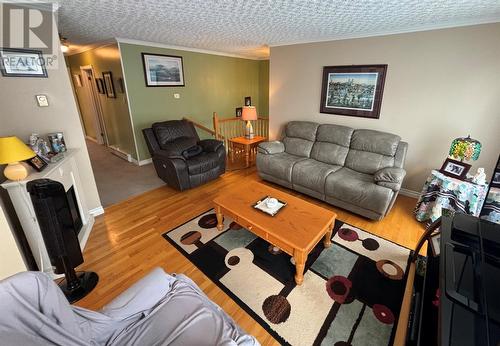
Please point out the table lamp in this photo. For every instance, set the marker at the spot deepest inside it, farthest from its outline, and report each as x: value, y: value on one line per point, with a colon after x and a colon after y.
x: 249, y: 113
x: 13, y: 150
x: 465, y: 148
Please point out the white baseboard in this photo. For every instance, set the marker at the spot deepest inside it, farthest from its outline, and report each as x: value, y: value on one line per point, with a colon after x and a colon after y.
x: 96, y: 211
x: 142, y: 162
x: 120, y: 153
x: 92, y: 139
x: 409, y: 193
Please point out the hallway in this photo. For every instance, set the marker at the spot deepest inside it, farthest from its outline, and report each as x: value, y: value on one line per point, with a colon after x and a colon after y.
x: 118, y: 179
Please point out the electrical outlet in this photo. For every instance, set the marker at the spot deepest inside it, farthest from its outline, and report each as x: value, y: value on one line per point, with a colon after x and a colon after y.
x: 42, y: 100
x: 177, y: 96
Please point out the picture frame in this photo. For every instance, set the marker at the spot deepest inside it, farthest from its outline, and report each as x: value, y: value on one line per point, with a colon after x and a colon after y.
x: 77, y: 79
x: 22, y: 63
x: 239, y: 112
x: 108, y: 84
x: 99, y: 82
x: 163, y: 70
x: 248, y: 101
x: 354, y: 90
x: 121, y: 86
x: 455, y: 169
x: 38, y: 163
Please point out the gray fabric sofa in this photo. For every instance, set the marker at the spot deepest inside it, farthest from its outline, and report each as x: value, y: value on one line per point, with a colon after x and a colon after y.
x: 357, y: 170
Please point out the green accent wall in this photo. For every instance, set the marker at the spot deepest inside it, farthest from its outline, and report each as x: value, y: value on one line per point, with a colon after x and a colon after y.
x: 213, y: 83
x: 115, y: 110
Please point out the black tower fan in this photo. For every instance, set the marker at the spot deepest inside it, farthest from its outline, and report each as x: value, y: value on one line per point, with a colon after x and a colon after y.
x: 59, y: 235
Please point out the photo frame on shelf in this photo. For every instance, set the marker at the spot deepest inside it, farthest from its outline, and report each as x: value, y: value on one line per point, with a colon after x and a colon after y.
x: 22, y: 63
x: 455, y: 169
x: 354, y: 90
x: 248, y: 101
x: 108, y: 84
x: 239, y: 112
x: 163, y: 70
x: 38, y: 163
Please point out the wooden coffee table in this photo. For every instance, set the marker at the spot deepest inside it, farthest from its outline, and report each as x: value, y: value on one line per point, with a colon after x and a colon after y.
x: 295, y: 229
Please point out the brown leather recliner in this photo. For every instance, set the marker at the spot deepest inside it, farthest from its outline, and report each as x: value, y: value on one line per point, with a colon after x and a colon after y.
x: 180, y: 158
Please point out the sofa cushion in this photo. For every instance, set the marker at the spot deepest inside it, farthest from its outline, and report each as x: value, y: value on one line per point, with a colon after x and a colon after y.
x: 375, y: 142
x: 202, y: 163
x: 278, y: 165
x: 298, y: 146
x: 312, y: 174
x: 336, y: 134
x: 332, y: 144
x: 367, y: 162
x: 302, y: 129
x: 358, y: 189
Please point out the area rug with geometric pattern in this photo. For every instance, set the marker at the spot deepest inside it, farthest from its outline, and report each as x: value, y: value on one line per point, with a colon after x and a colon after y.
x: 351, y: 294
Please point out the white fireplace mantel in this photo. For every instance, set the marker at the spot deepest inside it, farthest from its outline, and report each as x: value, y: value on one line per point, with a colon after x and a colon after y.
x: 64, y: 171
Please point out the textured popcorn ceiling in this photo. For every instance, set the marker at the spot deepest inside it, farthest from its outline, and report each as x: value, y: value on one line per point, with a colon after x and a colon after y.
x: 248, y: 27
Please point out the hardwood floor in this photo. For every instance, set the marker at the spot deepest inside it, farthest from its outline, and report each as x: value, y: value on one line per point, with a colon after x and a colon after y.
x: 126, y: 241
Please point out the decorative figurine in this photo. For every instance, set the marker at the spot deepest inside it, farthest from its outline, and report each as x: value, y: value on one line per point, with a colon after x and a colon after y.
x: 480, y: 177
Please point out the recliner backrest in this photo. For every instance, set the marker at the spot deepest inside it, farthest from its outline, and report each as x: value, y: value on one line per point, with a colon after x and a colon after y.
x: 168, y: 131
x: 332, y: 144
x: 300, y: 137
x: 371, y: 150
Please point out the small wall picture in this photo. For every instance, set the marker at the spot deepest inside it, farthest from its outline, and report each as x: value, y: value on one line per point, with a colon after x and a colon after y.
x: 163, y: 70
x: 37, y: 163
x: 57, y: 143
x: 239, y: 111
x: 121, y: 86
x: 354, y: 90
x: 248, y: 101
x: 22, y: 63
x: 99, y: 82
x: 77, y: 79
x: 455, y: 169
x: 108, y: 84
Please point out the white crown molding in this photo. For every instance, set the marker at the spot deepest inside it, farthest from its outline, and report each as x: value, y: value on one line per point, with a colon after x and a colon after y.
x: 85, y: 48
x: 189, y: 49
x: 395, y: 32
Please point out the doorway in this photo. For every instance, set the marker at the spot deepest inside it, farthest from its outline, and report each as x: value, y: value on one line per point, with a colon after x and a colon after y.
x: 92, y: 115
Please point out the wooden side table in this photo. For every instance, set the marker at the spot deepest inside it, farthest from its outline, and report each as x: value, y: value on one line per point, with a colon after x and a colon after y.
x: 246, y: 144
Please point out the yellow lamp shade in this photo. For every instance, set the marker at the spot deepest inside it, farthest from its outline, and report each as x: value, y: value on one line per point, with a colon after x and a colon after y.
x: 12, y: 149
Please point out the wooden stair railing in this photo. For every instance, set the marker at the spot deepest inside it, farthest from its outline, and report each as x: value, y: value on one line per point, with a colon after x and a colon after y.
x: 200, y: 126
x: 227, y: 128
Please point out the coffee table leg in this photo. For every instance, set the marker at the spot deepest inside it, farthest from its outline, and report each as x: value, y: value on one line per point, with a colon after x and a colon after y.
x: 327, y: 241
x: 300, y: 263
x: 220, y: 218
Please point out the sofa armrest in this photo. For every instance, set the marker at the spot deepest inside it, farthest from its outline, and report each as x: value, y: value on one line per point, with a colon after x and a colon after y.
x: 390, y: 177
x: 210, y: 145
x: 141, y: 296
x: 270, y: 148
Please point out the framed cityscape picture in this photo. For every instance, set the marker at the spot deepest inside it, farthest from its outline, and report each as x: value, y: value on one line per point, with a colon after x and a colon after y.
x: 163, y: 70
x: 354, y: 90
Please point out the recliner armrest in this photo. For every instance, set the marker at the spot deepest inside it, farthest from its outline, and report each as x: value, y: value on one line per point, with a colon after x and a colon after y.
x: 168, y: 155
x: 270, y: 148
x: 390, y: 177
x: 210, y: 145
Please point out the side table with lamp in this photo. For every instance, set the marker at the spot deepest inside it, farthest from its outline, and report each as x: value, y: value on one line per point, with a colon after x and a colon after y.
x: 449, y: 188
x: 12, y: 151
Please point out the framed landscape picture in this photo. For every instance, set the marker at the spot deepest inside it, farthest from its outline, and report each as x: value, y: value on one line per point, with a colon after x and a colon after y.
x: 22, y: 63
x: 163, y: 70
x: 354, y: 90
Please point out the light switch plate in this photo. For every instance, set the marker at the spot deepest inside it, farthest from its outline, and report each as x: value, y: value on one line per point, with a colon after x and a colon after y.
x: 42, y: 100
x: 177, y: 96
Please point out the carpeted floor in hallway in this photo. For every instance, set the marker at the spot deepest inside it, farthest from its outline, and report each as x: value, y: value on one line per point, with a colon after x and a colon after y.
x: 118, y: 179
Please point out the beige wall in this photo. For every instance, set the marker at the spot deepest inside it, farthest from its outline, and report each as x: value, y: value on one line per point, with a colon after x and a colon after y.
x: 20, y: 116
x: 440, y: 85
x: 115, y: 110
